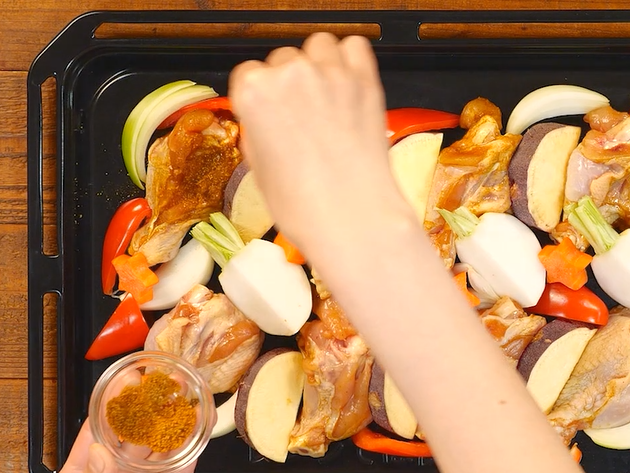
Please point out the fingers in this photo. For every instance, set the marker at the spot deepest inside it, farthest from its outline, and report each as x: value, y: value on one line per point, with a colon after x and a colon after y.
x: 238, y: 89
x: 77, y: 460
x: 358, y: 55
x: 100, y: 460
x: 323, y: 49
x: 281, y: 56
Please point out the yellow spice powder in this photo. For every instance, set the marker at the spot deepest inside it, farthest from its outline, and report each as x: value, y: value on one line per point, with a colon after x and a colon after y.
x: 152, y: 414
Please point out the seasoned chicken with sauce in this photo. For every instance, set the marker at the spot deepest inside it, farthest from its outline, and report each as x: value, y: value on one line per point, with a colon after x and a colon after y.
x: 209, y: 332
x: 472, y: 172
x: 511, y: 327
x: 186, y: 177
x: 597, y: 394
x: 338, y: 371
x: 600, y: 167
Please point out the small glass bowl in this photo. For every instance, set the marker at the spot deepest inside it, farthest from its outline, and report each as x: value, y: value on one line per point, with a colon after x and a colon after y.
x: 127, y: 371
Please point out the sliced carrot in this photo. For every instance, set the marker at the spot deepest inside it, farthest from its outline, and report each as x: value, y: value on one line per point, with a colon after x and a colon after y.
x: 135, y: 276
x: 576, y: 453
x: 565, y: 264
x: 292, y: 253
x: 460, y: 280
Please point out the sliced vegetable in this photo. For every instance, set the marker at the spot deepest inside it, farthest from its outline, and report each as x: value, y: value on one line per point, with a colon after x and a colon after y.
x: 553, y: 101
x: 617, y: 438
x: 565, y: 264
x: 135, y: 276
x: 126, y: 330
x: 389, y: 408
x: 413, y: 161
x: 538, y: 173
x: 379, y: 443
x: 611, y: 263
x: 245, y: 206
x: 462, y: 283
x: 582, y: 305
x: 148, y: 114
x: 257, y: 277
x: 192, y: 265
x: 126, y: 220
x: 576, y: 453
x: 213, y: 104
x: 502, y: 249
x: 549, y: 359
x: 292, y: 253
x: 268, y: 401
x: 225, y: 418
x: 402, y: 122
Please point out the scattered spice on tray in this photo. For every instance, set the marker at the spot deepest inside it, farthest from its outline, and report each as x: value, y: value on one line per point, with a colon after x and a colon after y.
x: 152, y: 414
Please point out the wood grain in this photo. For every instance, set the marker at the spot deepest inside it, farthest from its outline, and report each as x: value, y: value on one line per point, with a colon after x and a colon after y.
x: 25, y: 28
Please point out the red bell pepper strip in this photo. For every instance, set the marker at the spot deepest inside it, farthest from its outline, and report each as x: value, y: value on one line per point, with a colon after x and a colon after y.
x: 213, y: 104
x: 583, y: 305
x: 375, y: 442
x: 126, y: 330
x: 402, y: 122
x: 126, y: 220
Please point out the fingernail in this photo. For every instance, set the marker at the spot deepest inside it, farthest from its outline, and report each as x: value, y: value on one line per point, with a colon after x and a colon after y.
x: 96, y: 463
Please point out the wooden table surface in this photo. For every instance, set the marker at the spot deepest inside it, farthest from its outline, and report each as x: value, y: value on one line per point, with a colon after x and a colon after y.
x: 26, y: 26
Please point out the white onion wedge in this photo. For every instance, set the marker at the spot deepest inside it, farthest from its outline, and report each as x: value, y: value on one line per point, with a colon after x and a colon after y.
x: 553, y: 101
x: 225, y: 417
x: 192, y: 265
x: 617, y: 438
x: 148, y: 114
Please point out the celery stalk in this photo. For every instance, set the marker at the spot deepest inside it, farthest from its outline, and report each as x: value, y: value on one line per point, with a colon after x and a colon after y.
x: 587, y: 220
x: 462, y: 221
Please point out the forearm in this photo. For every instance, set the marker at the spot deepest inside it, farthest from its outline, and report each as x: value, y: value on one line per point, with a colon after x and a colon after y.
x: 401, y: 287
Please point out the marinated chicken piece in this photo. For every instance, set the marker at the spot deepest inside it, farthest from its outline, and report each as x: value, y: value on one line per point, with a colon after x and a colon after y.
x: 600, y: 167
x: 186, y: 177
x: 335, y: 403
x: 477, y: 108
x: 599, y: 381
x: 511, y: 327
x: 209, y: 332
x: 320, y: 287
x: 472, y: 172
x: 331, y: 314
x: 604, y: 118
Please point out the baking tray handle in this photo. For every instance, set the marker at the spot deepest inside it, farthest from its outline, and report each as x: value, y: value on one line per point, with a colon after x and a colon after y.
x: 47, y: 268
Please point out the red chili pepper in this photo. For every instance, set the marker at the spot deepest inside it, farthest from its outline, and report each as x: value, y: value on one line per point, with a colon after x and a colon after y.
x: 213, y: 104
x: 583, y: 305
x: 402, y: 122
x: 375, y: 442
x: 126, y: 220
x: 126, y: 330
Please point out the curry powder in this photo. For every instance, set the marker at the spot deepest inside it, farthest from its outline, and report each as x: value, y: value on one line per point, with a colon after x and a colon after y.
x: 152, y: 414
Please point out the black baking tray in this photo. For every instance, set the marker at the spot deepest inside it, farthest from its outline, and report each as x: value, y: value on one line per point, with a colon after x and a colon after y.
x: 100, y: 80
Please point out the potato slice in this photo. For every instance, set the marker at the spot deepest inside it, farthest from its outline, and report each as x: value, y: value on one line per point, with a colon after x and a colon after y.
x: 268, y: 401
x: 548, y: 361
x: 389, y: 408
x: 245, y: 206
x: 538, y: 172
x: 412, y: 161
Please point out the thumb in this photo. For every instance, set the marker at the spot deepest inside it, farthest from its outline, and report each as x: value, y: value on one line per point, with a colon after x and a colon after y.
x: 100, y: 460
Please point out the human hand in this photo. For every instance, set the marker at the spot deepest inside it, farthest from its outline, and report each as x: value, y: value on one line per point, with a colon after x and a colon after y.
x: 87, y: 456
x: 314, y: 134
